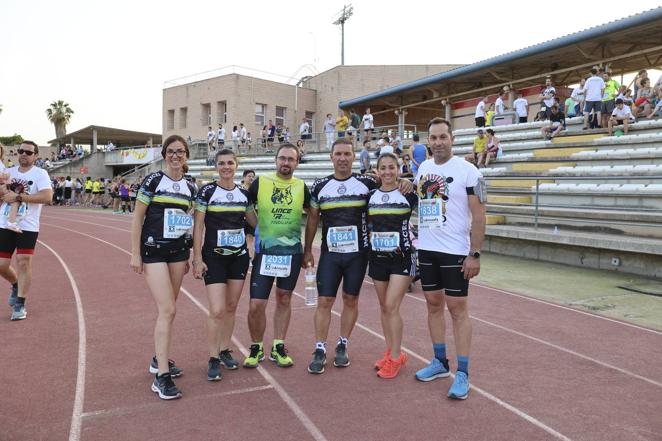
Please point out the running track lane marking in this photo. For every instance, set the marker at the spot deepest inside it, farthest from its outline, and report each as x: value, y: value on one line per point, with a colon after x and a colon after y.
x: 76, y: 417
x: 521, y: 334
x: 521, y: 296
x: 294, y: 407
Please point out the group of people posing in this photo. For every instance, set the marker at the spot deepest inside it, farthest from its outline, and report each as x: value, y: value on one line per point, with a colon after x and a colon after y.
x: 365, y: 227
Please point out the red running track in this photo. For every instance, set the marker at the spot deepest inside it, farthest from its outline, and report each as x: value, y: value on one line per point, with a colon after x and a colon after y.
x: 78, y: 369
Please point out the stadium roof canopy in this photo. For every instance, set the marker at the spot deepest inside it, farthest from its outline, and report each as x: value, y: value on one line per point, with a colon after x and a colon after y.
x: 627, y: 45
x: 104, y: 135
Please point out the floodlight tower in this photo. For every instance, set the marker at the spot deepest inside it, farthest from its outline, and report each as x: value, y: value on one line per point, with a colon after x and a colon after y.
x: 346, y: 12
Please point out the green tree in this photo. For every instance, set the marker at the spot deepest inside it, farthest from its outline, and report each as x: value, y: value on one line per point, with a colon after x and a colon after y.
x: 59, y: 113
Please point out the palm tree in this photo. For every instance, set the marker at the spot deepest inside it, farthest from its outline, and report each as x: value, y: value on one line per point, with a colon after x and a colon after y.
x: 59, y: 113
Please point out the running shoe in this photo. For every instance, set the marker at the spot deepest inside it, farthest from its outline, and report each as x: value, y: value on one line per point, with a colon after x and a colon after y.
x: 279, y: 355
x: 165, y: 387
x: 382, y: 361
x: 227, y: 361
x: 255, y: 357
x: 436, y: 369
x: 341, y: 359
x: 392, y: 367
x: 13, y: 295
x: 460, y: 388
x: 319, y: 360
x: 18, y: 312
x: 174, y: 370
x: 214, y: 369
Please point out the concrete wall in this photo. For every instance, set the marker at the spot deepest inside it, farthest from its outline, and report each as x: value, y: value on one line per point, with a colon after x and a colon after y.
x: 94, y: 163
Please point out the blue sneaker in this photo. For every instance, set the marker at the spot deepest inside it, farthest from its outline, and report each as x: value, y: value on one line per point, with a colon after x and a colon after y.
x: 460, y: 388
x: 18, y: 312
x: 12, y: 296
x: 434, y: 370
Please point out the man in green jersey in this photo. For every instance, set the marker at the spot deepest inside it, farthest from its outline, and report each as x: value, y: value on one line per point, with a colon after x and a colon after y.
x: 280, y: 200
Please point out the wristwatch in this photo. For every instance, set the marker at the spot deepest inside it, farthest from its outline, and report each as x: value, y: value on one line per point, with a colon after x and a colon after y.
x: 19, y: 198
x: 475, y: 254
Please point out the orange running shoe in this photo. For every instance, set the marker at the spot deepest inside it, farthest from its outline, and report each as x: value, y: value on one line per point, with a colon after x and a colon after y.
x: 382, y: 361
x: 392, y: 367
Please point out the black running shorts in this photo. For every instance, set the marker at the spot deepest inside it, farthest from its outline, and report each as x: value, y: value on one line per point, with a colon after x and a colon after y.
x: 350, y: 267
x: 221, y: 268
x: 152, y: 256
x: 382, y: 265
x: 261, y: 285
x: 22, y: 243
x: 443, y: 271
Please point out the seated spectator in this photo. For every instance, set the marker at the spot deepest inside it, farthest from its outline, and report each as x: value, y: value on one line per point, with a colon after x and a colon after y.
x: 556, y: 123
x: 620, y: 115
x: 480, y: 144
x: 644, y: 98
x: 406, y: 167
x: 493, y: 148
x: 578, y: 97
x: 301, y: 146
x: 386, y: 148
x: 639, y: 80
x: 657, y: 109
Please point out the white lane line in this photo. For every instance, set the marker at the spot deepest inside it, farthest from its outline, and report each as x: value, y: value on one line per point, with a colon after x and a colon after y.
x: 85, y: 222
x: 76, y: 417
x: 480, y: 391
x: 118, y: 411
x: 300, y: 414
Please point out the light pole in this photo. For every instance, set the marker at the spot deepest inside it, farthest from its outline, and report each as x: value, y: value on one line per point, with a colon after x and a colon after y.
x: 346, y: 12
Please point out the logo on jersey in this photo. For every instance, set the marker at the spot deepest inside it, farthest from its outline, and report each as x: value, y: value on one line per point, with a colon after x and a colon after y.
x: 175, y: 186
x: 20, y: 186
x: 229, y: 196
x: 342, y: 189
x: 282, y: 195
x: 385, y: 198
x: 434, y: 186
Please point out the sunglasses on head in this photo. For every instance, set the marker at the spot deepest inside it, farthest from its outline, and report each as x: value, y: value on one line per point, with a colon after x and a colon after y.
x: 27, y: 152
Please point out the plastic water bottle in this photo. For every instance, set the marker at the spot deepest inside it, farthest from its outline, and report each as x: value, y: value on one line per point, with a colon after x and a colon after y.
x: 311, y: 287
x: 556, y: 229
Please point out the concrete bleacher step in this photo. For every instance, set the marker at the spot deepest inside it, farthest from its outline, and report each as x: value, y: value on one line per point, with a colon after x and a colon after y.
x: 540, y: 166
x: 517, y: 183
x: 577, y: 138
x: 557, y: 152
x: 495, y: 219
x: 508, y: 199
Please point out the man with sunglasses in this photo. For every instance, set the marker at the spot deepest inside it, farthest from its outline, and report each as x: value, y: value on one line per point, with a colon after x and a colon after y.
x: 280, y: 200
x: 31, y: 187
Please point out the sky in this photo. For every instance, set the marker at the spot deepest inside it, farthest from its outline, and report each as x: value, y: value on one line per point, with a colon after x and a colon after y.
x: 110, y: 59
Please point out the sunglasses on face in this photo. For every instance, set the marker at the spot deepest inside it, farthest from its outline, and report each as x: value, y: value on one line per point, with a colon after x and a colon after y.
x: 27, y: 152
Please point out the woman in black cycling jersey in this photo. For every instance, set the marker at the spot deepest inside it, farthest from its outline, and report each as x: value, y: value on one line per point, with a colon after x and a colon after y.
x: 160, y: 247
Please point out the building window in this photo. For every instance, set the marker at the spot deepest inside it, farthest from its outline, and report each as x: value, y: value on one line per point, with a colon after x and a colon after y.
x: 183, y: 116
x: 280, y: 116
x: 170, y: 120
x: 205, y: 114
x: 260, y: 114
x: 310, y: 118
x: 222, y: 112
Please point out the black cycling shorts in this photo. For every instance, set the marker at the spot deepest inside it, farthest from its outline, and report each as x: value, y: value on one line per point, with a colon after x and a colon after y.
x: 350, y: 267
x: 261, y: 285
x: 151, y: 254
x: 221, y: 268
x: 382, y: 265
x: 443, y: 271
x: 22, y: 243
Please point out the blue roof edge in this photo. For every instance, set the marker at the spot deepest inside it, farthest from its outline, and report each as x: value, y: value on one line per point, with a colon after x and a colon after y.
x: 567, y: 40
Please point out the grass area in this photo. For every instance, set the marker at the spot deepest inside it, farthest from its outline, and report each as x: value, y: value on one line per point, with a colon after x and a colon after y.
x: 582, y: 288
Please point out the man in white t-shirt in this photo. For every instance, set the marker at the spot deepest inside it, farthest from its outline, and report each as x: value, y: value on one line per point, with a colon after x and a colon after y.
x: 451, y: 227
x: 593, y: 91
x: 479, y: 116
x: 31, y: 187
x: 578, y: 97
x: 499, y: 105
x: 329, y: 130
x: 220, y: 137
x: 547, y: 96
x: 368, y: 124
x: 243, y: 134
x: 521, y: 106
x: 211, y: 136
x: 620, y: 115
x: 304, y: 129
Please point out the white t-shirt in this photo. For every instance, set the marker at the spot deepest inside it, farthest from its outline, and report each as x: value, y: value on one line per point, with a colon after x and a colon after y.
x: 447, y: 183
x: 578, y: 94
x: 386, y: 149
x: 33, y: 181
x: 368, y: 122
x: 499, y: 108
x: 520, y: 105
x: 593, y: 88
x: 235, y: 135
x: 243, y: 133
x: 329, y: 126
x: 480, y: 110
x: 549, y: 91
x: 303, y: 128
x: 622, y: 113
x: 210, y: 135
x: 221, y: 134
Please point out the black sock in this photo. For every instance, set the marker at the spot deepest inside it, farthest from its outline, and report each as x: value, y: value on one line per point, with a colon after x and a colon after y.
x: 20, y: 300
x: 14, y: 285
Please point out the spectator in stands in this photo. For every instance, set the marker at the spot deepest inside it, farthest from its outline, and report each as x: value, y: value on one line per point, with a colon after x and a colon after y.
x: 329, y: 129
x: 638, y: 81
x: 620, y: 115
x: 280, y: 135
x: 521, y: 106
x: 287, y: 135
x: 355, y: 124
x: 547, y: 97
x: 499, y: 105
x: 304, y: 129
x: 249, y: 140
x: 556, y: 123
x: 644, y: 98
x: 301, y: 146
x: 480, y: 144
x: 387, y: 147
x: 342, y: 122
x: 364, y: 157
x: 220, y: 138
x: 489, y: 115
x: 657, y: 109
x: 593, y: 90
x: 368, y: 124
x: 418, y: 153
x: 609, y: 96
x: 271, y: 133
x: 479, y: 116
x: 658, y: 85
x: 235, y: 138
x: 493, y: 148
x: 211, y: 136
x: 243, y: 135
x: 405, y: 168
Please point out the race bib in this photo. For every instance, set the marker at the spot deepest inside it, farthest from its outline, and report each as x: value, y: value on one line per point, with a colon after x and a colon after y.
x: 387, y: 242
x: 22, y: 210
x: 429, y: 213
x: 276, y: 266
x: 176, y: 223
x: 342, y: 239
x: 230, y: 238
